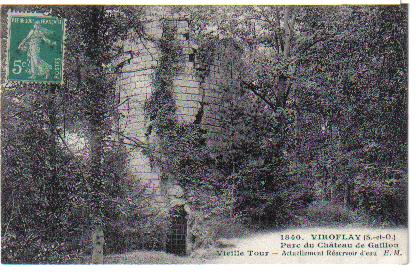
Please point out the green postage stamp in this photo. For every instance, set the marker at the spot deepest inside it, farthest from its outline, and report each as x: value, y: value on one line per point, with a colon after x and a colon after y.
x: 35, y: 48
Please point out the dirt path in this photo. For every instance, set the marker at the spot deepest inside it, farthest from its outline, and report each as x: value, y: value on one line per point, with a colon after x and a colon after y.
x: 271, y: 247
x: 258, y: 248
x: 288, y: 246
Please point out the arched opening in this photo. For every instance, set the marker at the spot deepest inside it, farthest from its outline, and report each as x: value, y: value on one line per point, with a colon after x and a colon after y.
x: 176, y: 242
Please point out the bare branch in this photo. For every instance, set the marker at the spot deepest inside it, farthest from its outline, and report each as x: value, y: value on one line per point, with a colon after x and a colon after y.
x: 253, y: 89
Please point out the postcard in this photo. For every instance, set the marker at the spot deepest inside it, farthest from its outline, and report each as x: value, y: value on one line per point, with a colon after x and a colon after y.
x: 207, y: 134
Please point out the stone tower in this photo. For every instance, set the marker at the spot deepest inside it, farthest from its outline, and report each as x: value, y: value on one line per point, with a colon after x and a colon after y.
x: 191, y: 91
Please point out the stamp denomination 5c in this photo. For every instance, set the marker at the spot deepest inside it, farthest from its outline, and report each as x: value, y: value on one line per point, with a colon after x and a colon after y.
x: 35, y: 48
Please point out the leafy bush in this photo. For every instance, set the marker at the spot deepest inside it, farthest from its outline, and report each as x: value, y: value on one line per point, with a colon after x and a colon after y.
x: 34, y: 249
x: 385, y: 200
x: 321, y: 213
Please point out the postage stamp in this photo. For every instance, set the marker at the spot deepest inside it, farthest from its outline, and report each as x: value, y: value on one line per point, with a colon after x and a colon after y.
x: 35, y: 48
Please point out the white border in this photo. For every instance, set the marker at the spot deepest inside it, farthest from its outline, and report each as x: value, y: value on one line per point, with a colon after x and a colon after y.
x: 207, y: 2
x: 276, y: 267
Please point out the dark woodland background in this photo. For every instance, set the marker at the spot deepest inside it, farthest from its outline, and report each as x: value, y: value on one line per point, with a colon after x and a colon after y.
x: 316, y: 134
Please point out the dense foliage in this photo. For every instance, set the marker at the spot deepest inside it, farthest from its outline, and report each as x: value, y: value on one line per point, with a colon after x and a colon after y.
x: 313, y: 129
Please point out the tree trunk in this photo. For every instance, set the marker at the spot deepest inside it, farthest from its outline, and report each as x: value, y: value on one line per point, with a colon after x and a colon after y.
x: 286, y: 47
x: 53, y: 190
x: 96, y: 99
x: 96, y: 178
x: 98, y: 246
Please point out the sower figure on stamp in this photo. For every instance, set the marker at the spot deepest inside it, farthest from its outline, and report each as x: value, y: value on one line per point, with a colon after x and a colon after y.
x: 31, y: 44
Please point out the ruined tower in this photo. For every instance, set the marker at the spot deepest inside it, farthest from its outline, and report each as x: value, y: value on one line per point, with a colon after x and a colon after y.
x: 197, y: 94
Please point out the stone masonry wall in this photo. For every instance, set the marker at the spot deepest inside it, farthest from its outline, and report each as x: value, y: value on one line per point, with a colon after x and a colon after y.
x: 190, y: 90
